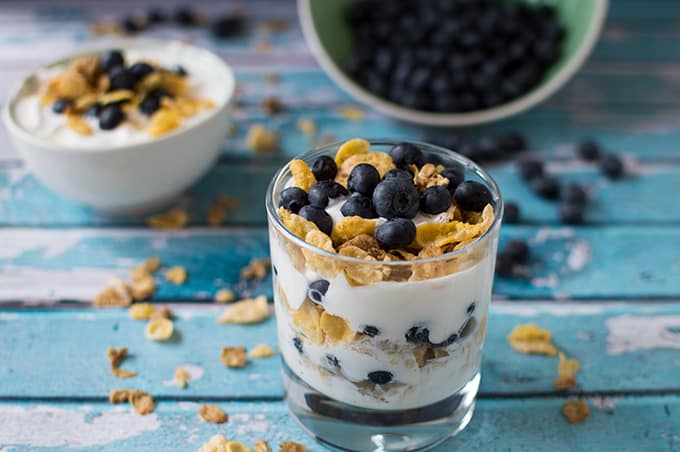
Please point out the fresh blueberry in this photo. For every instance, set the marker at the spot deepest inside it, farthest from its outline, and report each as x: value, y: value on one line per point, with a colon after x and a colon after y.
x: 111, y: 59
x: 513, y: 142
x: 504, y: 265
x: 517, y: 250
x: 60, y: 105
x: 471, y: 308
x: 121, y: 78
x: 332, y: 360
x: 324, y: 168
x: 380, y: 377
x: 471, y: 195
x: 293, y: 199
x: 155, y: 16
x: 611, y: 166
x: 320, y: 192
x: 149, y: 105
x: 435, y: 199
x: 455, y: 175
x: 93, y: 111
x: 110, y: 116
x: 398, y: 174
x: 546, y: 187
x: 530, y: 168
x: 363, y: 178
x: 317, y: 290
x: 574, y: 193
x: 297, y: 343
x: 186, y: 17
x: 319, y: 217
x: 141, y: 70
x: 511, y: 213
x: 404, y: 154
x: 396, y: 233
x: 417, y: 334
x: 358, y: 205
x: 370, y: 331
x: 571, y: 213
x: 588, y: 149
x: 396, y: 197
x: 228, y: 26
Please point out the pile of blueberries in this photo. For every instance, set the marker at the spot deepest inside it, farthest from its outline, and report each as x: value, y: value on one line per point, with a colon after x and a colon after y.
x: 121, y: 77
x: 225, y: 26
x: 394, y: 197
x: 451, y: 55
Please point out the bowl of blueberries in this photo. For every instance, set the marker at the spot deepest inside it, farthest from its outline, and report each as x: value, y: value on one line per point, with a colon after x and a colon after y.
x: 451, y: 62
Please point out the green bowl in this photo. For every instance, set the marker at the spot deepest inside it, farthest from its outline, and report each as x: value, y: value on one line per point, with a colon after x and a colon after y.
x: 330, y: 39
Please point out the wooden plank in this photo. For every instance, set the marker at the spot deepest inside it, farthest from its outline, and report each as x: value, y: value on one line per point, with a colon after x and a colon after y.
x: 51, y: 264
x: 621, y: 347
x: 536, y: 425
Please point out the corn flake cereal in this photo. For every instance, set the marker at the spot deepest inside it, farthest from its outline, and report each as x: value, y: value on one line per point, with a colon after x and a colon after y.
x: 174, y: 219
x: 234, y: 357
x: 119, y: 396
x: 575, y: 411
x: 246, y: 311
x: 531, y: 339
x: 261, y: 351
x: 361, y: 274
x: 349, y: 148
x: 213, y: 413
x: 181, y: 377
x: 302, y: 175
x: 78, y: 125
x: 159, y: 329
x: 380, y: 160
x: 260, y: 139
x: 256, y: 269
x: 295, y: 223
x: 306, y: 126
x: 291, y: 446
x: 143, y: 287
x: 141, y: 402
x: 443, y: 234
x: 324, y: 265
x: 350, y: 227
x: 163, y: 312
x: 351, y: 112
x: 176, y: 275
x: 566, y: 372
x: 163, y: 121
x: 117, y: 293
x: 141, y: 311
x: 224, y: 296
x: 308, y: 319
x: 335, y: 328
x: 262, y: 446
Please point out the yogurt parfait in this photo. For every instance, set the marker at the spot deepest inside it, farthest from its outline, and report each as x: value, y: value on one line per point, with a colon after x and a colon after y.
x: 383, y: 259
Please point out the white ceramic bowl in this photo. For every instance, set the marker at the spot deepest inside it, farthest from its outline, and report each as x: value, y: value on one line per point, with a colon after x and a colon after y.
x: 129, y: 179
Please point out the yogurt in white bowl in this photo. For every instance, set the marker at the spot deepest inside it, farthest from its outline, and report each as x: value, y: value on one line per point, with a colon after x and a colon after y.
x: 125, y: 169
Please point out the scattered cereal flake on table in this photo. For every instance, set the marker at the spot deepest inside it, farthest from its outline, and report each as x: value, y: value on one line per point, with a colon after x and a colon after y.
x: 119, y: 396
x: 256, y: 269
x: 261, y: 351
x: 143, y: 287
x: 175, y: 218
x: 262, y: 446
x: 566, y: 372
x: 159, y: 329
x: 163, y: 312
x: 259, y: 138
x: 303, y: 177
x: 224, y: 296
x: 219, y: 209
x: 306, y: 126
x: 176, y: 275
x: 246, y: 311
x: 146, y: 267
x: 141, y: 402
x: 181, y: 377
x: 213, y: 413
x: 271, y: 105
x: 234, y: 357
x: 116, y: 357
x: 141, y: 311
x: 575, y: 411
x: 291, y: 446
x: 351, y: 112
x: 117, y: 293
x: 531, y: 339
x: 219, y: 443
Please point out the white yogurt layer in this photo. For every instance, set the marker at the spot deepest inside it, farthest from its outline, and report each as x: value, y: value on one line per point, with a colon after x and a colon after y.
x: 43, y: 123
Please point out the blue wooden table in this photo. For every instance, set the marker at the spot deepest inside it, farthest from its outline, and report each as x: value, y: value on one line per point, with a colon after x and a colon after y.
x: 609, y: 291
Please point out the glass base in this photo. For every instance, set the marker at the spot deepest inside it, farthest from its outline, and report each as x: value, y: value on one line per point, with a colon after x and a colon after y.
x: 349, y: 428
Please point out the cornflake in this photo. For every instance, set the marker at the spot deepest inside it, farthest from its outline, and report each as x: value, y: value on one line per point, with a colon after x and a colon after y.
x: 181, y: 377
x: 78, y: 125
x: 224, y: 296
x: 176, y: 275
x: 119, y: 396
x: 159, y: 329
x: 295, y: 223
x: 350, y: 227
x: 234, y: 357
x: 116, y: 357
x: 117, y: 293
x: 336, y: 329
x: 261, y: 351
x: 246, y: 311
x: 176, y: 218
x: 317, y: 262
x: 213, y: 413
x: 146, y: 267
x: 307, y: 127
x: 566, y: 372
x: 163, y: 312
x: 256, y: 269
x: 261, y: 139
x: 308, y: 319
x: 381, y: 161
x: 361, y: 274
x: 575, y: 411
x: 531, y: 339
x: 141, y: 311
x: 141, y: 402
x: 302, y: 175
x: 219, y: 443
x: 219, y: 209
x: 351, y: 147
x: 262, y: 446
x: 163, y: 121
x: 291, y: 446
x: 351, y: 112
x: 443, y: 234
x: 143, y: 287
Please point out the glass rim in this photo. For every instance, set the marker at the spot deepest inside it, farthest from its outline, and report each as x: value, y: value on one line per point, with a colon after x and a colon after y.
x: 322, y: 150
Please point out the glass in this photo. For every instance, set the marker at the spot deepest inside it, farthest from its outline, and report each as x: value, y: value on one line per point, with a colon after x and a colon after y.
x: 381, y: 355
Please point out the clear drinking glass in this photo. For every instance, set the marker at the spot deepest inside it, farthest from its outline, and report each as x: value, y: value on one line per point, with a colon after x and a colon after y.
x: 389, y: 357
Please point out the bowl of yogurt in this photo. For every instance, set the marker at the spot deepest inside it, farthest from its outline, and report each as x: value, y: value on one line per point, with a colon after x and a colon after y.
x: 126, y: 129
x: 383, y: 258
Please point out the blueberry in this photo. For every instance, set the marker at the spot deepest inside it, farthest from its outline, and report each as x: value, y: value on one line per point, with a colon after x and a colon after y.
x: 141, y: 70
x: 513, y: 142
x: 471, y: 195
x: 228, y: 26
x: 121, y: 78
x: 297, y: 343
x: 571, y: 213
x: 332, y: 360
x: 380, y: 377
x: 511, y: 213
x: 517, y: 250
x: 471, y: 308
x: 611, y: 166
x: 152, y: 101
x: 417, y: 334
x: 93, y: 111
x: 319, y: 217
x: 396, y: 197
x: 155, y: 16
x: 111, y: 59
x: 186, y: 17
x: 398, y: 174
x: 293, y: 199
x: 317, y: 290
x: 488, y: 149
x: 358, y: 205
x: 60, y: 105
x: 435, y: 199
x: 546, y: 187
x: 404, y: 154
x: 370, y: 331
x: 530, y: 168
x: 324, y: 168
x: 574, y: 193
x: 363, y: 178
x: 131, y: 24
x: 455, y: 175
x: 396, y: 233
x: 588, y: 149
x: 110, y: 117
x: 320, y: 192
x: 504, y: 265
